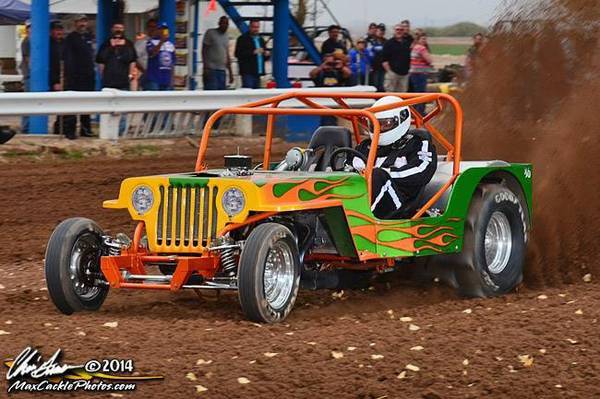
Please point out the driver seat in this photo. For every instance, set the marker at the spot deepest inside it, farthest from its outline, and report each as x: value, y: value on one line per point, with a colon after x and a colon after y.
x: 324, y: 141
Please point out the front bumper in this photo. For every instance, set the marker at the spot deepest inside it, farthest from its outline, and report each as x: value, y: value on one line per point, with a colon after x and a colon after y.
x: 129, y: 270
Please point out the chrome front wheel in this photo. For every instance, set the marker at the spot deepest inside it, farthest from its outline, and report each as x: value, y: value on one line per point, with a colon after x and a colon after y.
x: 269, y: 273
x: 279, y: 276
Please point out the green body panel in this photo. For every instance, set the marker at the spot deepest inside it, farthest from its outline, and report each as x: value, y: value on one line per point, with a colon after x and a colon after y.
x: 336, y: 222
x: 356, y: 231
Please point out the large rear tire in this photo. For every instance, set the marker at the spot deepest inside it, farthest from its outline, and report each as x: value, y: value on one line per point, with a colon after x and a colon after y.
x: 269, y: 273
x: 491, y: 263
x: 72, y: 266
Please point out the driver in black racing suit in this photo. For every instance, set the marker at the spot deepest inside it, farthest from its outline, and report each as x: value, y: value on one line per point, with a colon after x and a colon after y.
x: 406, y: 161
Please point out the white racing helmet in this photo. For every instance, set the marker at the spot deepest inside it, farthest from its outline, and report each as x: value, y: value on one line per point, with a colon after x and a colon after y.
x: 394, y: 122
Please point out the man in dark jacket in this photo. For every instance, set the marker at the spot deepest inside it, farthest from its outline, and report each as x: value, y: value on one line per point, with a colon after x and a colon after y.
x: 56, y: 56
x: 251, y: 54
x: 116, y: 58
x: 375, y: 50
x: 333, y: 44
x: 54, y: 71
x: 79, y: 71
x: 396, y: 58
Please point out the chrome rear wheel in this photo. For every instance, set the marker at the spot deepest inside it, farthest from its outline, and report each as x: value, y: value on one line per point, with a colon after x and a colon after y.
x: 498, y: 242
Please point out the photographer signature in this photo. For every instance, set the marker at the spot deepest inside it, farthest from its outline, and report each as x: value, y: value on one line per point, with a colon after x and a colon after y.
x: 27, y: 363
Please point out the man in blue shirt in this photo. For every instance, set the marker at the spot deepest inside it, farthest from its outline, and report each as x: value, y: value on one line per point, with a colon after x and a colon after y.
x: 251, y: 54
x: 375, y: 51
x: 161, y: 60
x: 360, y: 62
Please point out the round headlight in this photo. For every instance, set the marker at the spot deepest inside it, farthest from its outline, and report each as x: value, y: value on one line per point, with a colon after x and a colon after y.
x: 142, y: 199
x: 233, y: 201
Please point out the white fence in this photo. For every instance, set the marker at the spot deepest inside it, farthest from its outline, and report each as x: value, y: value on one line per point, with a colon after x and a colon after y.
x: 159, y: 113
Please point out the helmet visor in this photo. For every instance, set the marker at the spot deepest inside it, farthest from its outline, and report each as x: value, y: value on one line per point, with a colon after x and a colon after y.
x: 388, y: 124
x: 393, y: 122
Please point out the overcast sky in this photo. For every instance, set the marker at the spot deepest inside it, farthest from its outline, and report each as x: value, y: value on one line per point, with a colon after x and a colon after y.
x: 419, y: 12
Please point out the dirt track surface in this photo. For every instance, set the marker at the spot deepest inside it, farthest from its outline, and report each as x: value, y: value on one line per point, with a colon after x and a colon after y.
x: 470, y: 348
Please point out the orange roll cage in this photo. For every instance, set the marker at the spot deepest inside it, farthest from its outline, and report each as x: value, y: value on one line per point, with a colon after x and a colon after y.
x: 358, y: 117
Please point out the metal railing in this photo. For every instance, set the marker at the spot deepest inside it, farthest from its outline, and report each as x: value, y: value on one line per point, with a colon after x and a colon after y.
x: 148, y: 113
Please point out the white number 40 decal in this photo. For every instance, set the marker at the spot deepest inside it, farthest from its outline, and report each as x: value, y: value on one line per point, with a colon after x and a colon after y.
x: 527, y: 173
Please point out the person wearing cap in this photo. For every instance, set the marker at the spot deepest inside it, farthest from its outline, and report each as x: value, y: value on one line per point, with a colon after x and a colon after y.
x: 55, y: 79
x: 375, y: 51
x: 79, y: 72
x: 25, y: 57
x: 161, y: 60
x: 371, y: 32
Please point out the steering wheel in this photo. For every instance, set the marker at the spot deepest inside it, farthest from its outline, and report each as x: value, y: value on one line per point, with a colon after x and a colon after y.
x: 341, y: 150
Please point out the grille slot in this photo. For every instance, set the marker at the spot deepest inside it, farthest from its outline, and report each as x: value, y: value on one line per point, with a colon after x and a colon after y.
x: 187, y: 216
x: 186, y: 219
x: 178, y: 216
x: 205, y: 219
x: 169, y: 231
x: 197, y: 191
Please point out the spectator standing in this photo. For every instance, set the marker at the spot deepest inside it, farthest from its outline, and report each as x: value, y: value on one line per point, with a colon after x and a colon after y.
x: 116, y: 59
x: 421, y: 64
x: 375, y: 50
x: 406, y: 25
x: 140, y: 45
x: 79, y: 72
x: 25, y: 57
x: 116, y: 62
x: 215, y: 56
x: 360, y: 62
x: 161, y: 60
x: 473, y: 54
x: 251, y: 54
x: 396, y: 59
x: 57, y: 33
x: 333, y: 44
x: 371, y: 32
x: 418, y: 33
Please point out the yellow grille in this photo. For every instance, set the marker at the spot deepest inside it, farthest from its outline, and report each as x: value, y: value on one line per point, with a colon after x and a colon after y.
x: 187, y: 217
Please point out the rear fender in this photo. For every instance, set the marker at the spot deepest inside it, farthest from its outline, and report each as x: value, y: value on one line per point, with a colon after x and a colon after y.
x: 518, y: 177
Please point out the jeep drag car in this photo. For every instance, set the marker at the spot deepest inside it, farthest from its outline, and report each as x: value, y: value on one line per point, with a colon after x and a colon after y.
x: 266, y: 229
